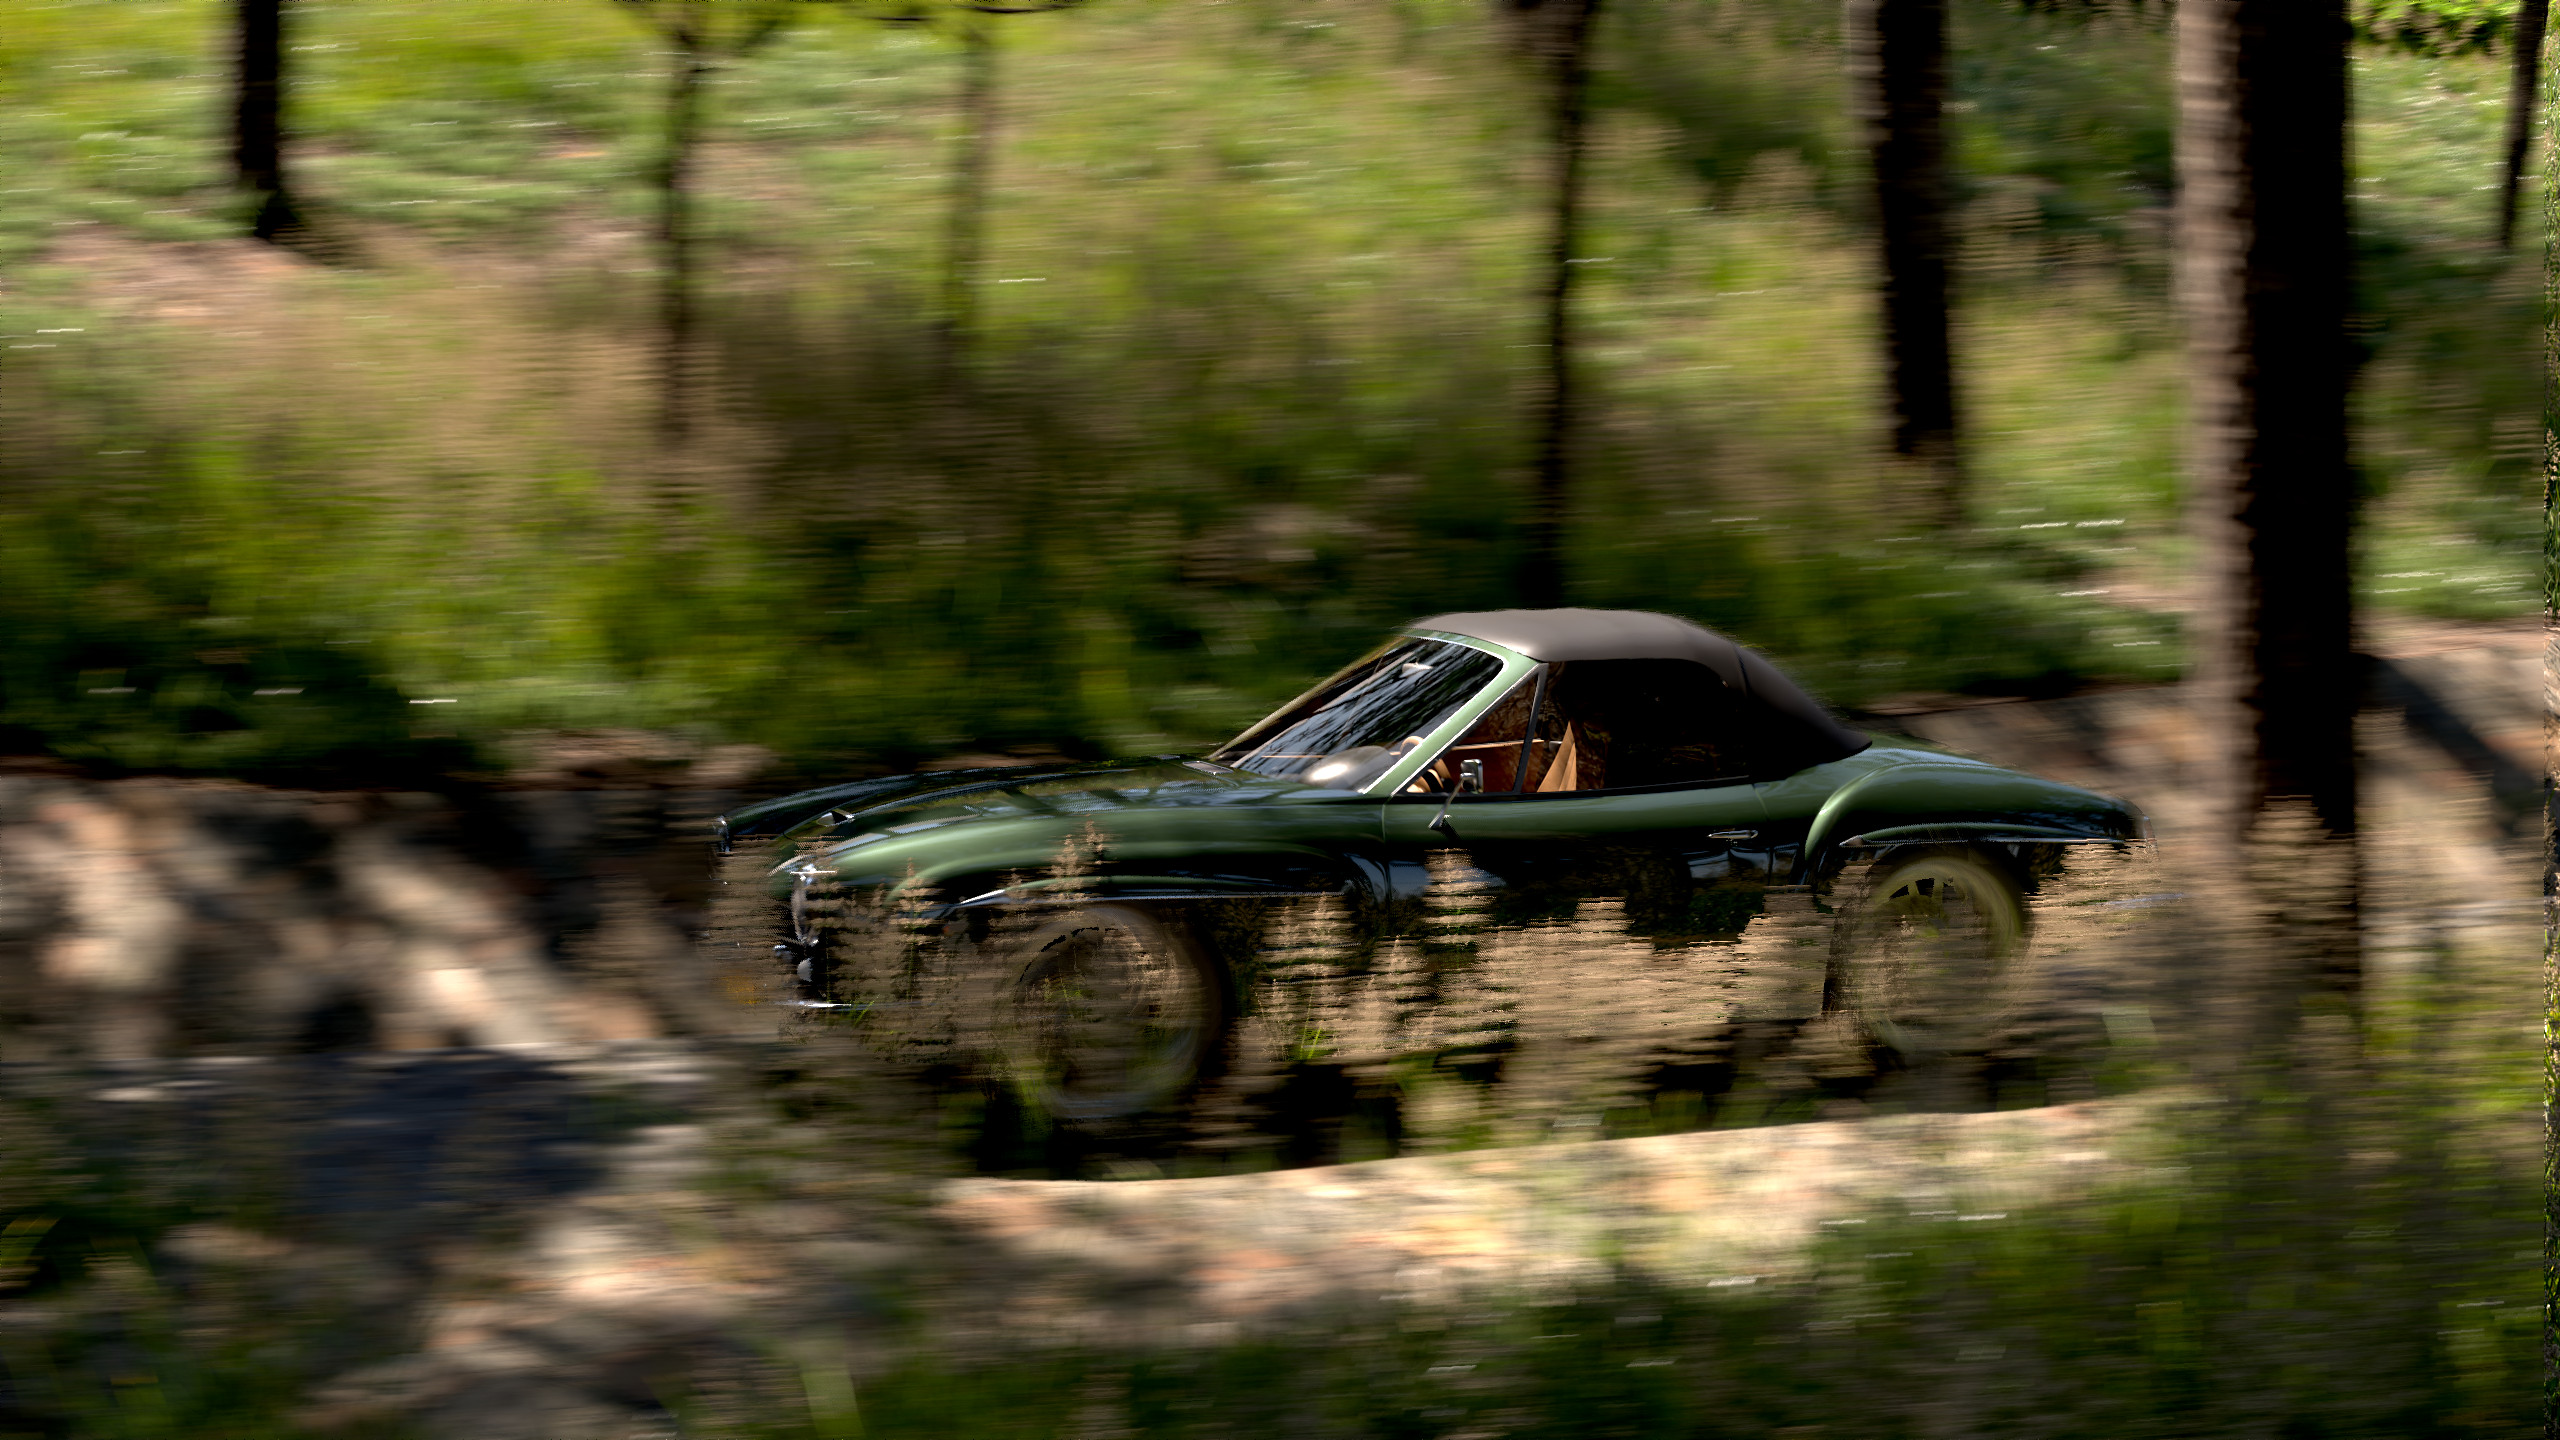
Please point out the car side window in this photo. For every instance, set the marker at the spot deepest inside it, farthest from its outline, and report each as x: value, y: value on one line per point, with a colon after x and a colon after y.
x: 1556, y: 756
x: 1495, y: 740
x: 1629, y: 724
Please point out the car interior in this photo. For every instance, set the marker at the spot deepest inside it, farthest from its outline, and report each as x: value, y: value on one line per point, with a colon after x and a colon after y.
x: 1591, y: 725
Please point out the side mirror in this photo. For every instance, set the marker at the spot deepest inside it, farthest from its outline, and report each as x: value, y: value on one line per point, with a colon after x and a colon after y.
x: 1470, y: 777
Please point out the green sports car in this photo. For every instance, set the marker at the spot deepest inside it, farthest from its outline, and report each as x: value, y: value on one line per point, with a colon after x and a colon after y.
x: 1533, y: 759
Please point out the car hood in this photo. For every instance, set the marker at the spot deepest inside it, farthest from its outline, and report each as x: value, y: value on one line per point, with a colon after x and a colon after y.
x: 841, y: 815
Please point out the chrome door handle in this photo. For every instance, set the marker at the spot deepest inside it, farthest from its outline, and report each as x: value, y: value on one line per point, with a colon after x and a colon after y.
x: 1733, y: 834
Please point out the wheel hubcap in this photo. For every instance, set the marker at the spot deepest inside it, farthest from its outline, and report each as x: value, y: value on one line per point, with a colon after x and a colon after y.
x: 1104, y: 1025
x: 1927, y: 959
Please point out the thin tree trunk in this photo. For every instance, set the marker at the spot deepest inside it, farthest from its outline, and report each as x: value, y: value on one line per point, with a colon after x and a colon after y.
x: 972, y: 174
x: 2532, y: 17
x: 675, y: 231
x: 1898, y: 62
x: 2264, y: 284
x: 2551, y: 768
x: 1560, y: 33
x: 258, y: 121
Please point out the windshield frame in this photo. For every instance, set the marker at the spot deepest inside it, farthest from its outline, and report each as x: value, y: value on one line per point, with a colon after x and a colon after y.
x: 1514, y: 665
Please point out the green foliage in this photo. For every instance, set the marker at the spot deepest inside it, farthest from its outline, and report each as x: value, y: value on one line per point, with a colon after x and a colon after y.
x: 1732, y: 80
x: 1249, y: 387
x: 2450, y: 396
x: 2062, y: 125
x: 2434, y: 27
x: 207, y: 699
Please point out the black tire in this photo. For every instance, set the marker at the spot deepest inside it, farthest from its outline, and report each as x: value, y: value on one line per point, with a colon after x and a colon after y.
x: 1920, y: 956
x: 1108, y: 1012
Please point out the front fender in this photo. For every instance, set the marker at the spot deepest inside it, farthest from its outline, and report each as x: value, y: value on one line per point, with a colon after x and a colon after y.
x: 768, y: 818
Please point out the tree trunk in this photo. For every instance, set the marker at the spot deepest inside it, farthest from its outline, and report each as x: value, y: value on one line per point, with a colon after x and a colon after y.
x: 1898, y: 64
x: 258, y: 120
x: 2263, y: 275
x: 1557, y: 36
x: 675, y: 229
x: 2532, y: 16
x: 2551, y: 767
x: 972, y: 174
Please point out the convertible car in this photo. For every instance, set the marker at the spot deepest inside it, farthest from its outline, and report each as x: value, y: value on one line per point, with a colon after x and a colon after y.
x: 1534, y: 758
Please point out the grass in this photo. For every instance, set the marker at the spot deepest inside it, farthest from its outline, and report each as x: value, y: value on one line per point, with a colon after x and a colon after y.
x: 1255, y: 341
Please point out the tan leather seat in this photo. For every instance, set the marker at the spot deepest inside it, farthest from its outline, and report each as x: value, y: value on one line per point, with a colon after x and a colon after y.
x: 1564, y: 768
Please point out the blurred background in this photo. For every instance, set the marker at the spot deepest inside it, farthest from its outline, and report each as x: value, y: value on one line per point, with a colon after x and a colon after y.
x: 1254, y: 340
x: 582, y: 416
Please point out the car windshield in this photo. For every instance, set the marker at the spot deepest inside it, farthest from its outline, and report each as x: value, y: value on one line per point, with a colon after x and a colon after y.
x: 1351, y: 729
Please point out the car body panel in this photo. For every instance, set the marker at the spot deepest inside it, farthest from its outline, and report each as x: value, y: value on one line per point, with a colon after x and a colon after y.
x: 1228, y: 832
x: 1569, y: 816
x: 1884, y: 791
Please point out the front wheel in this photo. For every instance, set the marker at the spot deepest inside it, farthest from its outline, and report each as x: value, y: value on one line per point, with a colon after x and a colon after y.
x: 1921, y: 955
x: 1112, y: 1012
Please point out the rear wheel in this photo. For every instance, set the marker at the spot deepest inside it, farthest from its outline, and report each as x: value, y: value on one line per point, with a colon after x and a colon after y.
x: 1113, y: 1012
x: 1920, y: 957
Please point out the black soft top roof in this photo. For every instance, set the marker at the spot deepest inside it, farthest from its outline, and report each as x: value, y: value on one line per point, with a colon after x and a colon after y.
x: 1576, y: 634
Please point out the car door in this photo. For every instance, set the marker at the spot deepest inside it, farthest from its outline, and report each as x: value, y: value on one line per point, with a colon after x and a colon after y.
x: 1621, y: 779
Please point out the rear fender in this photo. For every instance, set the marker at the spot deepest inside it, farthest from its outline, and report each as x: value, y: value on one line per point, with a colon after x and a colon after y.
x: 1960, y: 804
